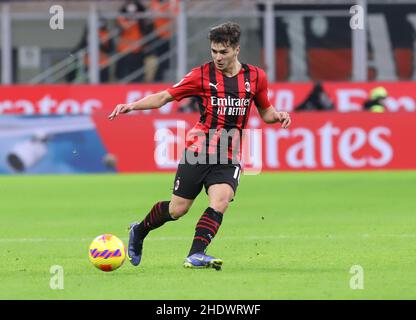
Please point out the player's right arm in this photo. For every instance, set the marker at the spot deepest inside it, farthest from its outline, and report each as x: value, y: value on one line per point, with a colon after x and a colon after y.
x: 152, y: 101
x: 188, y: 86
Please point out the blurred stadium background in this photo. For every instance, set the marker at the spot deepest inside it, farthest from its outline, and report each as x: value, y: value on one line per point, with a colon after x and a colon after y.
x: 344, y: 69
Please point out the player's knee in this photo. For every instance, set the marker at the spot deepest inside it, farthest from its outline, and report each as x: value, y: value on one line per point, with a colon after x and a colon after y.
x: 177, y: 211
x: 220, y: 204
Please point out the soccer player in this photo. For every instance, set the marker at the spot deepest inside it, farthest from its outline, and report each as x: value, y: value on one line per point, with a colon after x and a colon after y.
x: 225, y: 88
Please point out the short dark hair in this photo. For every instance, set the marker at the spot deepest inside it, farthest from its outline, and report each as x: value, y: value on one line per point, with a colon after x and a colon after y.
x: 227, y: 33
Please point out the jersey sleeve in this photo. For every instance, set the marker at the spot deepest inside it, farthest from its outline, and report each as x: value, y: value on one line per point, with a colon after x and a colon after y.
x: 190, y: 85
x: 261, y: 99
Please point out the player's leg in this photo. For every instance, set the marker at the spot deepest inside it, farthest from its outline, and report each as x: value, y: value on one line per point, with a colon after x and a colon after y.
x: 221, y: 185
x: 186, y: 188
x: 161, y: 212
x: 207, y: 227
x: 220, y: 195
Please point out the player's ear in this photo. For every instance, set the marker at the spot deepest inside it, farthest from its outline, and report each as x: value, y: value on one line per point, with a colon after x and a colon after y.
x: 237, y: 50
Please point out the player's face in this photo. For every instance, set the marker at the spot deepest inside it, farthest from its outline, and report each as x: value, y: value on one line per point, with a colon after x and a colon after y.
x: 223, y: 56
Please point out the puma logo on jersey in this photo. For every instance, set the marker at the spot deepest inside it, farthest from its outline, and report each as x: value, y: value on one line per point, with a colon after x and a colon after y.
x: 213, y: 85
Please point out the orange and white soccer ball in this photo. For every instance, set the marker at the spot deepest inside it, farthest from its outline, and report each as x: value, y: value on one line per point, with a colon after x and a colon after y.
x: 107, y: 252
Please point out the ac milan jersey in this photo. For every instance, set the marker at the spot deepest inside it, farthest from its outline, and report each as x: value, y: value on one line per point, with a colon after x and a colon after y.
x: 224, y: 104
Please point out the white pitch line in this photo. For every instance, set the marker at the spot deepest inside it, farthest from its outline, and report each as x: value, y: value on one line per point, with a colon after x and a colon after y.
x: 271, y: 237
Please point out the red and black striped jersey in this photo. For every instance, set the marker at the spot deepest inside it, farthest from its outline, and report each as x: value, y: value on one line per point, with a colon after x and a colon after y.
x: 224, y: 103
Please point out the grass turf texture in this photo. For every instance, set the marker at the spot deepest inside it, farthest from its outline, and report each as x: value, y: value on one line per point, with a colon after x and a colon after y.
x: 286, y: 236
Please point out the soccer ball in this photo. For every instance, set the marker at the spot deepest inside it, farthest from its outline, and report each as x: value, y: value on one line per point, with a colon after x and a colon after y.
x: 107, y: 252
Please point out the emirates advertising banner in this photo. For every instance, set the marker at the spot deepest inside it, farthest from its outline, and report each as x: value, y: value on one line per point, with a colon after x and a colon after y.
x: 64, y: 129
x: 93, y: 99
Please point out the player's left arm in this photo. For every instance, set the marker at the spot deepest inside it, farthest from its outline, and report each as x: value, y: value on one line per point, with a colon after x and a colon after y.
x: 270, y: 115
x: 266, y: 110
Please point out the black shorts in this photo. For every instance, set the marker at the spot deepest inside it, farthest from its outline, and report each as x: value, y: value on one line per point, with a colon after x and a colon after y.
x: 190, y: 178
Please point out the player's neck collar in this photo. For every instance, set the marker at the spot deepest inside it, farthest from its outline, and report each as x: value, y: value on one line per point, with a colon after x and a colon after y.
x: 239, y: 67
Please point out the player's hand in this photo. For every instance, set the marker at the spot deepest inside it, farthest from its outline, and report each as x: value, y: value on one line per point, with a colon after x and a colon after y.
x: 120, y: 108
x: 284, y: 118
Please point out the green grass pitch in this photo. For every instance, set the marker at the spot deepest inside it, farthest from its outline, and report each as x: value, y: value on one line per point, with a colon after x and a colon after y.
x: 286, y: 236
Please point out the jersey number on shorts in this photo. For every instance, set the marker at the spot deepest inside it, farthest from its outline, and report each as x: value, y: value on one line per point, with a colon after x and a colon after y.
x: 237, y: 174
